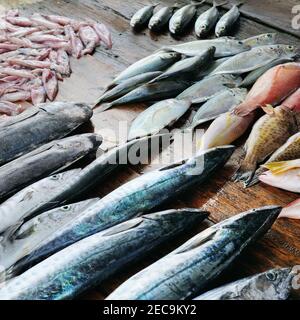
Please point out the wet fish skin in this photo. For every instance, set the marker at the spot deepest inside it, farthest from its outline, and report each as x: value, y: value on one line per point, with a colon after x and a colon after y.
x: 64, y: 187
x: 291, y: 211
x: 261, y: 40
x: 157, y: 117
x: 225, y: 129
x: 208, y: 87
x: 224, y: 47
x: 255, y: 58
x: 137, y: 196
x: 218, y: 104
x: 290, y: 150
x: 209, y: 69
x: 182, y: 18
x: 188, y: 67
x: 207, y: 20
x: 251, y: 78
x: 158, y: 61
x: 90, y: 261
x: 36, y: 126
x: 186, y: 271
x: 151, y: 91
x: 161, y: 18
x: 227, y: 21
x: 142, y: 16
x: 271, y: 88
x: 293, y: 101
x: 44, y: 161
x: 275, y: 284
x: 127, y: 85
x: 26, y: 238
x: 267, y: 135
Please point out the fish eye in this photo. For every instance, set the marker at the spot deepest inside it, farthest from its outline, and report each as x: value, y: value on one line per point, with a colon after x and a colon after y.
x: 271, y: 276
x: 66, y: 208
x: 290, y: 47
x: 55, y: 177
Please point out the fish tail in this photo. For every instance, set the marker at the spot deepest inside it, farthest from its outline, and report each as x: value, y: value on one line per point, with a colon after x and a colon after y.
x: 254, y: 180
x: 102, y: 108
x: 245, y: 172
x: 215, y: 4
x: 196, y: 3
x: 243, y: 109
x: 281, y: 166
x: 239, y: 3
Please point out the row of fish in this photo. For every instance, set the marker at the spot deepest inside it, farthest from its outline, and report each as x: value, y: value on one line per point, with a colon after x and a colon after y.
x: 178, y: 19
x: 35, y: 54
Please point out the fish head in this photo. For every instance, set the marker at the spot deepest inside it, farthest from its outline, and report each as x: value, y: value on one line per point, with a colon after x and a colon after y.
x: 250, y: 225
x: 178, y: 217
x: 85, y: 142
x: 170, y: 55
x: 154, y: 22
x: 276, y: 282
x: 289, y: 50
x: 220, y: 31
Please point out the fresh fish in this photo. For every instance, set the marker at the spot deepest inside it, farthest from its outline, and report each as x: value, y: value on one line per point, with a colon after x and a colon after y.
x: 261, y: 40
x: 251, y: 78
x: 275, y: 284
x: 60, y: 188
x: 36, y: 126
x: 208, y: 70
x: 207, y: 20
x: 142, y: 16
x: 157, y: 117
x: 293, y: 101
x: 227, y: 21
x: 45, y: 160
x: 150, y: 92
x: 87, y: 263
x: 182, y: 18
x: 224, y: 47
x: 225, y: 129
x: 188, y: 67
x: 255, y: 58
x: 156, y: 62
x: 267, y: 135
x: 188, y: 269
x: 21, y: 239
x: 127, y: 86
x: 291, y: 211
x: 217, y: 105
x: 207, y: 88
x: 283, y: 174
x: 134, y: 198
x: 290, y: 150
x: 271, y: 88
x: 161, y: 18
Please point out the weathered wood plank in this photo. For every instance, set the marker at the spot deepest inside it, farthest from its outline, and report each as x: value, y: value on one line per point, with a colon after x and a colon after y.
x: 220, y: 196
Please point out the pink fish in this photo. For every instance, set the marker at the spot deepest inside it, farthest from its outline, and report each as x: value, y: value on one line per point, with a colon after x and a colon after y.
x: 21, y: 42
x: 89, y: 38
x: 16, y: 72
x: 31, y: 64
x: 20, y: 21
x: 271, y: 88
x: 63, y: 62
x: 41, y: 21
x: 23, y: 32
x: 16, y: 96
x: 8, y: 108
x: 293, y: 101
x: 59, y: 19
x: 45, y: 38
x: 8, y: 46
x: 38, y: 95
x: 50, y: 84
x: 225, y: 129
x: 283, y: 174
x: 103, y: 33
x: 76, y: 43
x: 291, y: 211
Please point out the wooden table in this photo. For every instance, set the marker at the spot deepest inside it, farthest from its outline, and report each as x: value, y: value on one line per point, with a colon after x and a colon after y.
x: 220, y: 196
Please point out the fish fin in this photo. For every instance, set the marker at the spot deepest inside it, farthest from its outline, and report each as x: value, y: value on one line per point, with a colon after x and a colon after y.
x: 173, y: 165
x: 268, y: 109
x: 255, y: 178
x: 10, y: 233
x: 130, y: 224
x: 198, y: 3
x: 245, y: 172
x: 239, y: 3
x: 215, y: 4
x: 26, y: 233
x: 102, y: 108
x: 281, y: 166
x: 197, y: 241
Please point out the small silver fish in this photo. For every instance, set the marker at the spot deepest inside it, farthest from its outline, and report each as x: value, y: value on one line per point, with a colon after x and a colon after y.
x: 261, y: 40
x: 157, y: 117
x: 182, y: 17
x: 161, y: 18
x: 219, y: 104
x: 142, y: 16
x: 207, y: 20
x: 210, y: 86
x: 227, y: 21
x: 275, y: 284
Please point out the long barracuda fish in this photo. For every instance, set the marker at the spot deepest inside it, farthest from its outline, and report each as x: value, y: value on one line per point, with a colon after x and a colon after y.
x: 20, y: 240
x: 62, y: 187
x: 88, y: 262
x: 37, y: 126
x: 189, y: 268
x: 137, y: 196
x: 274, y: 284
